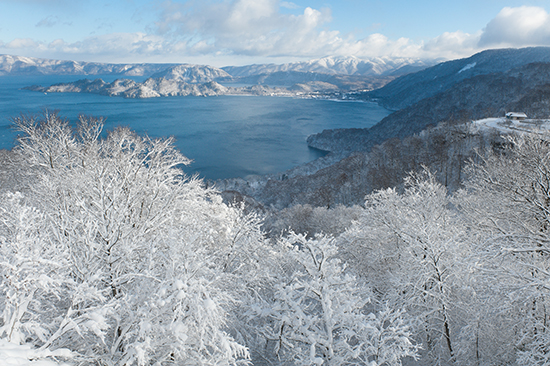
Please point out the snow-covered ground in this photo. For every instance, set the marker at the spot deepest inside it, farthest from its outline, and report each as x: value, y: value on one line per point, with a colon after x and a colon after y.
x: 25, y: 355
x: 505, y: 125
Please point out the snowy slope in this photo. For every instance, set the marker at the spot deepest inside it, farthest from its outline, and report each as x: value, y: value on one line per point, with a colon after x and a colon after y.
x: 412, y: 88
x: 349, y: 65
x: 18, y: 65
x: 193, y: 74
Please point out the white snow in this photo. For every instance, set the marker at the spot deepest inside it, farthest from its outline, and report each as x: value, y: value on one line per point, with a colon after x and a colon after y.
x: 467, y: 67
x: 507, y: 126
x: 12, y: 354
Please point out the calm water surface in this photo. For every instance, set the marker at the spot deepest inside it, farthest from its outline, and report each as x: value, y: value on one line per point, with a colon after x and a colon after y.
x: 226, y: 136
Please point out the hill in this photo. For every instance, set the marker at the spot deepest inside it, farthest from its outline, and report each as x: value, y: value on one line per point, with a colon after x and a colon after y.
x: 193, y: 74
x: 342, y: 73
x: 525, y: 88
x: 18, y: 65
x: 412, y: 88
x: 377, y: 66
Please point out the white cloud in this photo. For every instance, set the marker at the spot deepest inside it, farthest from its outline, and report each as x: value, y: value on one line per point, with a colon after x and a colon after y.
x: 452, y: 45
x: 115, y: 43
x: 258, y: 28
x: 251, y: 31
x: 289, y: 5
x: 248, y: 27
x: 517, y: 27
x: 116, y: 46
x: 19, y: 43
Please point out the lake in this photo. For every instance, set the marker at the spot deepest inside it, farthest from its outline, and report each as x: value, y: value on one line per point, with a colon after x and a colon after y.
x: 226, y: 136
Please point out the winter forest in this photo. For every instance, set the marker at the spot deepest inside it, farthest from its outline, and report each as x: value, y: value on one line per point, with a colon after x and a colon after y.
x: 113, y: 256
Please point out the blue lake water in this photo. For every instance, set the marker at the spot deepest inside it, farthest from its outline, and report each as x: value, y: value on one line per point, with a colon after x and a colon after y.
x: 226, y: 136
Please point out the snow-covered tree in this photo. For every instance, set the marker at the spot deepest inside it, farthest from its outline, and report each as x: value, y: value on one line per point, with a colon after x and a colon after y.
x: 133, y: 231
x: 41, y: 301
x: 506, y: 204
x: 409, y: 246
x: 30, y: 267
x: 322, y: 315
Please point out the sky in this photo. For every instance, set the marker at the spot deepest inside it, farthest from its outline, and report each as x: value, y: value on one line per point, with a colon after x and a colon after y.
x: 243, y: 32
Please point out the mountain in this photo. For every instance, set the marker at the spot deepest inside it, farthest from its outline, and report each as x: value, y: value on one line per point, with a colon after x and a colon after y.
x: 378, y: 66
x: 18, y: 65
x: 411, y: 88
x: 322, y: 75
x: 295, y: 78
x: 435, y: 131
x: 525, y: 88
x: 194, y: 74
x: 153, y: 88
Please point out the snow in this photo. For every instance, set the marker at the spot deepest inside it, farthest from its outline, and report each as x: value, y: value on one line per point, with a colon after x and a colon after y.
x: 467, y: 67
x: 12, y: 354
x: 507, y: 126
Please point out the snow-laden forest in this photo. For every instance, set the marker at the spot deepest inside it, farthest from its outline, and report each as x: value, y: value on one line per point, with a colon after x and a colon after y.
x: 112, y: 256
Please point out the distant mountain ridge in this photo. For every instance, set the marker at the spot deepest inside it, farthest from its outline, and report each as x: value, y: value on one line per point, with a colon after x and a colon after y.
x: 154, y: 88
x: 19, y: 65
x: 380, y: 66
x: 471, y: 88
x: 350, y: 65
x: 194, y: 74
x: 412, y: 88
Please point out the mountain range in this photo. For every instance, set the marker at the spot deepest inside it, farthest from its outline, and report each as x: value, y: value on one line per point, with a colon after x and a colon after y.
x: 328, y: 73
x: 378, y: 66
x: 487, y: 84
x: 413, y: 87
x: 19, y: 65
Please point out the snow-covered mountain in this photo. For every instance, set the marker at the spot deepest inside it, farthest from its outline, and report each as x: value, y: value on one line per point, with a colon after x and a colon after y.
x: 193, y: 74
x: 379, y: 66
x: 19, y: 65
x: 343, y: 73
x: 412, y: 88
x: 155, y: 87
x: 350, y: 65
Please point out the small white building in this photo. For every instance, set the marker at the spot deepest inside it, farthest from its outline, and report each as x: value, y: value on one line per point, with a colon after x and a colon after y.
x: 516, y: 116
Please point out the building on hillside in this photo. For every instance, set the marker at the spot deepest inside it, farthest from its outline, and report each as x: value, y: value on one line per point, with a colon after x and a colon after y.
x: 516, y: 116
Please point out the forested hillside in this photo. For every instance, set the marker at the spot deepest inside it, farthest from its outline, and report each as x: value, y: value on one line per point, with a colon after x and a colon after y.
x: 412, y: 88
x: 444, y: 149
x: 491, y: 95
x: 111, y: 255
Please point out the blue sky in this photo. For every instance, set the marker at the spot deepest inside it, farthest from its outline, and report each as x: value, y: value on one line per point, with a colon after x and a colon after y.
x: 238, y: 32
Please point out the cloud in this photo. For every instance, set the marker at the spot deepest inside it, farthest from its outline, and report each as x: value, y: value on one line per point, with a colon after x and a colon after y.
x: 112, y: 44
x: 277, y: 29
x: 115, y: 46
x: 451, y: 45
x: 48, y: 22
x: 289, y: 5
x: 248, y: 27
x: 247, y: 31
x: 517, y: 27
x: 512, y: 27
x: 21, y: 43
